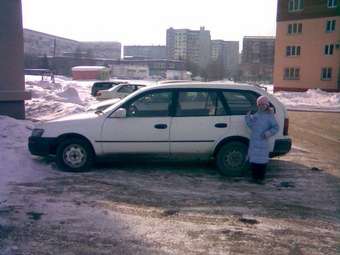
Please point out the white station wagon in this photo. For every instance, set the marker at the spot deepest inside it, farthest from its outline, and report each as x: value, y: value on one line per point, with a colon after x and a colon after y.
x: 197, y: 119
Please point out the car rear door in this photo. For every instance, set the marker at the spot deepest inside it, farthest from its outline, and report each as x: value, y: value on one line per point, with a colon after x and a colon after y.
x: 146, y: 128
x: 200, y: 119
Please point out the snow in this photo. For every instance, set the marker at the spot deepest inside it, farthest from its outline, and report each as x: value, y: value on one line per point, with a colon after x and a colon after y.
x: 52, y: 100
x: 64, y: 97
x: 311, y: 100
x: 16, y: 162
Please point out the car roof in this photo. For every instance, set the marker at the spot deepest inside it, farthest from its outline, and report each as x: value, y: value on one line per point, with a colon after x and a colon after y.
x: 206, y: 85
x: 173, y: 81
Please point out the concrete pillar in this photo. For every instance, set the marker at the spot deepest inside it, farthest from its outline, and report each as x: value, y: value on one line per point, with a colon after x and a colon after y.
x: 12, y: 84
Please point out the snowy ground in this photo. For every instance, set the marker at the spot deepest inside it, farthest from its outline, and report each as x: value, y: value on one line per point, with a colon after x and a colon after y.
x: 167, y: 207
x: 311, y: 100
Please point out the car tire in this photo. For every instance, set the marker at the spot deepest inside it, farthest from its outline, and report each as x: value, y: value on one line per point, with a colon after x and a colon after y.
x: 74, y: 155
x: 231, y: 159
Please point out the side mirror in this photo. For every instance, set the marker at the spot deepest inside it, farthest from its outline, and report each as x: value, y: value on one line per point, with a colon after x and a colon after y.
x: 120, y: 113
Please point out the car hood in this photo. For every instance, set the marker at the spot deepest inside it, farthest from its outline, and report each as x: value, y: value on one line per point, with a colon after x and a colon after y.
x: 76, y: 117
x: 86, y: 123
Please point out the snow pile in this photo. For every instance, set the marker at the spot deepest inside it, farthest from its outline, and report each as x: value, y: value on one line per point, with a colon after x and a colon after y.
x: 311, y: 100
x: 52, y: 100
x: 16, y: 162
x: 71, y: 95
x: 13, y: 133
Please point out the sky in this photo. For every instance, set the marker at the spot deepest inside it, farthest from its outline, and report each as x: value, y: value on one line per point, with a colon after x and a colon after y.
x: 137, y: 22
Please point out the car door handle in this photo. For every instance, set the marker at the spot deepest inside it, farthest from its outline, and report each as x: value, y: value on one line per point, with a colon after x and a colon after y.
x: 161, y: 126
x: 221, y: 125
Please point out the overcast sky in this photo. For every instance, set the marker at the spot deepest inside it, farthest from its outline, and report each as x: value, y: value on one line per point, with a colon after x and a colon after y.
x: 145, y: 22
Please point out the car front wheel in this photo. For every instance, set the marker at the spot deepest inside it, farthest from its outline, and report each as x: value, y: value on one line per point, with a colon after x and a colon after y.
x: 74, y: 155
x: 231, y: 159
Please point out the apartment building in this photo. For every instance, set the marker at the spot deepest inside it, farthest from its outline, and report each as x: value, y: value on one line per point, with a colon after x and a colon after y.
x: 258, y: 58
x: 227, y: 53
x: 307, y: 50
x: 189, y: 45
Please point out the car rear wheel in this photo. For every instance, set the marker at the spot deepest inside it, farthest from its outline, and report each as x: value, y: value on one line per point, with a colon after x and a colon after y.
x: 231, y: 159
x: 74, y: 155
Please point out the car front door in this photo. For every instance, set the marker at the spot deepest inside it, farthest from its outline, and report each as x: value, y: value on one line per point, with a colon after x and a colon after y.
x: 145, y: 129
x: 200, y: 119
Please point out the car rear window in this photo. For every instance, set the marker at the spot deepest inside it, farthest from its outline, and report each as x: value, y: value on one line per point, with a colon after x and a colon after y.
x: 240, y: 102
x: 103, y: 85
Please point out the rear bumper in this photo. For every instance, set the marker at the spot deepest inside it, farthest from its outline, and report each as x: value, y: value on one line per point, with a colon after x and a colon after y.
x: 281, y: 147
x: 41, y: 146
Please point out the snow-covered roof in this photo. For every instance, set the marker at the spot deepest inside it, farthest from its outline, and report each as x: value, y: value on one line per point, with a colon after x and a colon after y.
x: 88, y: 68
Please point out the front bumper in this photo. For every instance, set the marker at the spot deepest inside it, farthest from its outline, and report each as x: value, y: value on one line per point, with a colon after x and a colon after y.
x: 281, y: 147
x: 41, y: 146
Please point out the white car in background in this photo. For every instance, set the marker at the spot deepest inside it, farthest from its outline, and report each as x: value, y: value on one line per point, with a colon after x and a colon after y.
x: 205, y: 120
x: 118, y: 91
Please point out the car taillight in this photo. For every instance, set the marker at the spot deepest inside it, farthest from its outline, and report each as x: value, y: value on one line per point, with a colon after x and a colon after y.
x: 98, y: 94
x: 286, y: 126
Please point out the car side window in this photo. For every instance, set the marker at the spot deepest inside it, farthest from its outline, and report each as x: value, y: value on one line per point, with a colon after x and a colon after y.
x: 127, y: 89
x: 240, y: 102
x: 153, y: 104
x: 103, y: 85
x: 199, y: 103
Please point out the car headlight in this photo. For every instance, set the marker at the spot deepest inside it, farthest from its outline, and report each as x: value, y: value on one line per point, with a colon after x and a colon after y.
x: 37, y: 132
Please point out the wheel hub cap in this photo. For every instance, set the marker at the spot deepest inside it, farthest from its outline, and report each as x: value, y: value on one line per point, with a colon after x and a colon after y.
x: 74, y: 156
x: 234, y: 159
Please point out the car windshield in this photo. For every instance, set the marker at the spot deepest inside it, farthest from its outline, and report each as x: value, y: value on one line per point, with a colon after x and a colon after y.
x: 113, y: 87
x: 108, y: 109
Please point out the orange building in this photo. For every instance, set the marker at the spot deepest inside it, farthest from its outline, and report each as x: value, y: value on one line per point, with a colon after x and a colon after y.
x: 307, y: 47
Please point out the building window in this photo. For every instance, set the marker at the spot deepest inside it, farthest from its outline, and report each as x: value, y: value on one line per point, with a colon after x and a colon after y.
x: 331, y: 3
x: 293, y: 51
x: 291, y: 73
x: 326, y: 73
x: 295, y: 5
x: 330, y: 25
x: 329, y: 48
x: 295, y: 28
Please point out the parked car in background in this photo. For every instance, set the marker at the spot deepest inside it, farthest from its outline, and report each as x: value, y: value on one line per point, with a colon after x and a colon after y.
x: 205, y: 120
x: 103, y: 85
x: 118, y: 91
